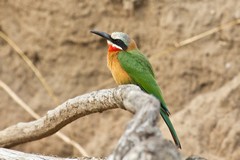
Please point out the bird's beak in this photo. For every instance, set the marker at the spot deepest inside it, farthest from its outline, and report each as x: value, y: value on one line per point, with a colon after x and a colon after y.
x: 103, y: 34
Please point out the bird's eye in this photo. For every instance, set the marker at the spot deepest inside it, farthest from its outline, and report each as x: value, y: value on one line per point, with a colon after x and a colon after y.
x: 120, y: 43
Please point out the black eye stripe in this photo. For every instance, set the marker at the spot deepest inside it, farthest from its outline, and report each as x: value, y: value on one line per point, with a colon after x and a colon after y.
x: 120, y: 43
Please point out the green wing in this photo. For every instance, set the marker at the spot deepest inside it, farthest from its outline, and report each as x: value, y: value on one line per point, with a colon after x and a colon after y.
x: 140, y: 70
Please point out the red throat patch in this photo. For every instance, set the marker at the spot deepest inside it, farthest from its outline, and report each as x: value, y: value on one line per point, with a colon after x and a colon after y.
x: 112, y: 48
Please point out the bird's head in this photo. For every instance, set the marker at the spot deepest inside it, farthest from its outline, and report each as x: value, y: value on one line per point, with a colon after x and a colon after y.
x: 117, y: 41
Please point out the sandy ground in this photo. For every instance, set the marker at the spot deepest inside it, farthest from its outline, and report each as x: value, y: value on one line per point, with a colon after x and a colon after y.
x: 55, y: 36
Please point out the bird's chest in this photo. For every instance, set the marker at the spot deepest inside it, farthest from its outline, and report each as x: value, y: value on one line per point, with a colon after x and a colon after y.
x: 118, y: 73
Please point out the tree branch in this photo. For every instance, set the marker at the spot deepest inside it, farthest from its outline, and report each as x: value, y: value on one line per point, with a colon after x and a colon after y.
x: 97, y: 101
x: 7, y: 154
x: 142, y: 139
x: 29, y: 110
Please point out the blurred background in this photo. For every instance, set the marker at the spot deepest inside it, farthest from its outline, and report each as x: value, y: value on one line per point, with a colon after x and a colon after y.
x: 200, y: 78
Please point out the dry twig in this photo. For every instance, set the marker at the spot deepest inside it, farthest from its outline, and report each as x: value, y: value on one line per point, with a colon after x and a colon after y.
x: 207, y: 33
x: 49, y: 90
x: 28, y: 109
x: 197, y: 37
x: 31, y: 65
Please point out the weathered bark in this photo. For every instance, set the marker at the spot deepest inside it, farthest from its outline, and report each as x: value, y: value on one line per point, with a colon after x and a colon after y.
x: 7, y: 154
x: 142, y: 139
x: 65, y: 113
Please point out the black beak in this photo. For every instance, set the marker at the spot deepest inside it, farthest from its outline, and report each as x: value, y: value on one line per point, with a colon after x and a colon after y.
x: 103, y: 34
x: 118, y: 42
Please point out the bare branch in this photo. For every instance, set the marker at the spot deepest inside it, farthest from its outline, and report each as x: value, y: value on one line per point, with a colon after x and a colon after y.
x: 142, y: 139
x: 29, y: 110
x: 7, y: 154
x: 65, y: 113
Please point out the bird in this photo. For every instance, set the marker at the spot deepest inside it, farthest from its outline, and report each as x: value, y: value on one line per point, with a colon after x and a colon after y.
x: 129, y: 66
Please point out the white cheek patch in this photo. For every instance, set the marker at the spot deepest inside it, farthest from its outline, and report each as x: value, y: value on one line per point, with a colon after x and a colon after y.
x: 114, y: 45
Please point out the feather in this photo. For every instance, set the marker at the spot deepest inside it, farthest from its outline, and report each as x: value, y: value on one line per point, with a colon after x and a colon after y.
x: 138, y: 68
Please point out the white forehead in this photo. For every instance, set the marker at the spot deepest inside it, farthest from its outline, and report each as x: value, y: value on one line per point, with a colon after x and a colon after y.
x: 120, y: 35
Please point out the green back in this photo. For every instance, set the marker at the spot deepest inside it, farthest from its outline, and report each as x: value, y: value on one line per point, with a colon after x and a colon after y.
x: 140, y: 70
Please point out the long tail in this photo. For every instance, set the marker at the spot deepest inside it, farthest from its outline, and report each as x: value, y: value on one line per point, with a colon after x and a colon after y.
x: 171, y: 128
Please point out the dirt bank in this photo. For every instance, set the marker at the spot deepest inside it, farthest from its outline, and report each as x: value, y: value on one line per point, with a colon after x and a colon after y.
x: 55, y: 35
